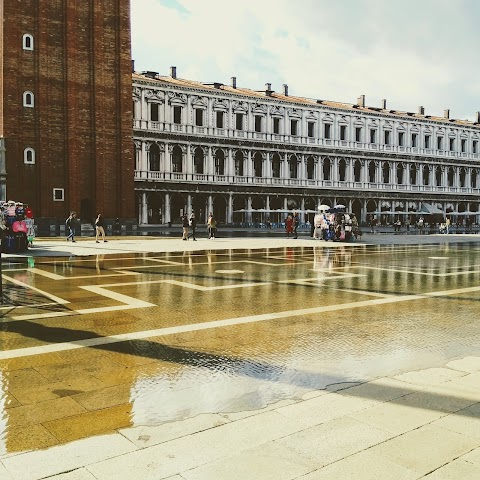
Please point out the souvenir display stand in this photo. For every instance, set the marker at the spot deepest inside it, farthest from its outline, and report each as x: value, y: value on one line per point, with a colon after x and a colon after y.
x: 17, y: 225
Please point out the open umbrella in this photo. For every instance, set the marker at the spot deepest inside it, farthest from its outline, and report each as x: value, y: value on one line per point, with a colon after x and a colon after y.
x: 340, y: 206
x: 323, y: 208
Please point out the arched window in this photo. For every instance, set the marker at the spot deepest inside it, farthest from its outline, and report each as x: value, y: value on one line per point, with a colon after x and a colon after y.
x: 386, y: 173
x: 326, y: 169
x: 177, y: 159
x: 276, y: 165
x: 154, y: 156
x: 413, y: 174
x: 258, y: 165
x: 438, y: 176
x: 219, y: 162
x: 400, y: 174
x: 371, y: 172
x: 239, y: 161
x: 310, y: 168
x: 357, y: 171
x: 28, y: 42
x: 28, y: 99
x: 451, y: 177
x: 342, y: 170
x: 198, y: 161
x: 426, y: 175
x: 29, y: 156
x: 293, y: 166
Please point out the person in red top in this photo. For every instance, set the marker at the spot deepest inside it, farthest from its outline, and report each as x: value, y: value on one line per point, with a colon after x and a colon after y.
x: 289, y: 225
x: 28, y: 212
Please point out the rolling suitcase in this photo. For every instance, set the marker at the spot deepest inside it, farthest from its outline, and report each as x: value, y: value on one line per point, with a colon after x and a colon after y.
x: 21, y: 242
x: 8, y: 243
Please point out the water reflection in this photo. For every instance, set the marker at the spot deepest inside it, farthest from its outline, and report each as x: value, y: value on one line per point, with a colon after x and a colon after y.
x: 236, y: 368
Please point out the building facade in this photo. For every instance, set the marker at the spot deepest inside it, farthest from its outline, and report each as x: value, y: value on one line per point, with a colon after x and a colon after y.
x: 66, y: 107
x: 251, y: 155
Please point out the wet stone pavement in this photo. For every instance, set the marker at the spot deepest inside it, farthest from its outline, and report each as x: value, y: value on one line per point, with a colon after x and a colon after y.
x: 111, y: 343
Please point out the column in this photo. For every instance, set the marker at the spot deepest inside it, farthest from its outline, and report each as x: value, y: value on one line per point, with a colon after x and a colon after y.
x: 230, y: 208
x: 286, y: 170
x: 189, y: 160
x: 335, y: 169
x: 302, y: 208
x: 189, y: 204
x: 144, y: 209
x: 468, y: 178
x: 267, y: 204
x: 364, y: 172
x: 248, y: 215
x: 249, y: 171
x: 167, y: 214
x: 230, y: 163
x: 363, y: 212
x: 267, y: 173
x: 407, y: 174
x: 168, y: 158
x: 444, y: 175
x: 303, y: 170
x: 378, y: 166
x: 209, y: 206
x: 210, y: 164
x: 420, y: 175
x: 349, y: 173
x: 143, y: 158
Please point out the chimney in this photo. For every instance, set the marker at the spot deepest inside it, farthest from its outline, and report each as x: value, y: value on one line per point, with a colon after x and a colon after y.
x: 173, y: 72
x: 234, y: 82
x: 361, y: 101
x: 133, y: 66
x: 421, y: 111
x: 285, y: 89
x: 477, y: 120
x: 446, y: 113
x: 268, y: 89
x: 384, y: 104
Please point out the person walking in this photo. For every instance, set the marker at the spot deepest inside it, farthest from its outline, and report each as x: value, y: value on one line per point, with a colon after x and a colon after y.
x: 99, y: 228
x: 296, y: 222
x: 212, y: 226
x: 289, y: 225
x: 70, y: 223
x: 185, y: 226
x: 193, y: 225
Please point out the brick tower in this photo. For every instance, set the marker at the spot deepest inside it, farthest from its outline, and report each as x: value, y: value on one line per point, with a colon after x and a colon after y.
x: 66, y: 107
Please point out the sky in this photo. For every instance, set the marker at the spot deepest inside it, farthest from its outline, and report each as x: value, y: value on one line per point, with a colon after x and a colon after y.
x: 412, y: 52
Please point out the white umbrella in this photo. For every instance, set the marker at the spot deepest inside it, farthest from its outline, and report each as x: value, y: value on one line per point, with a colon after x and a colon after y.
x: 323, y: 208
x: 340, y: 206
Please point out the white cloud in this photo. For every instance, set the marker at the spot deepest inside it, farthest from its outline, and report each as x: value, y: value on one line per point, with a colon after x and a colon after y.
x: 410, y: 52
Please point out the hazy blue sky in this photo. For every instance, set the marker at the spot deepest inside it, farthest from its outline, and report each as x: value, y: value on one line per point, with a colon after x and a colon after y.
x: 411, y: 52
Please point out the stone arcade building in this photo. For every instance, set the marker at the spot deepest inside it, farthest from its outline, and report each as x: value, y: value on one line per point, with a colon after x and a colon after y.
x: 243, y: 153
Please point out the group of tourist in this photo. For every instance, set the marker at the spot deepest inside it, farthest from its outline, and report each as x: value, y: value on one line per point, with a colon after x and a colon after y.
x: 189, y: 225
x: 337, y: 225
x: 71, y: 222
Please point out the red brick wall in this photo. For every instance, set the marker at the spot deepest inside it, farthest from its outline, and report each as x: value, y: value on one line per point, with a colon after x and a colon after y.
x: 81, y: 126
